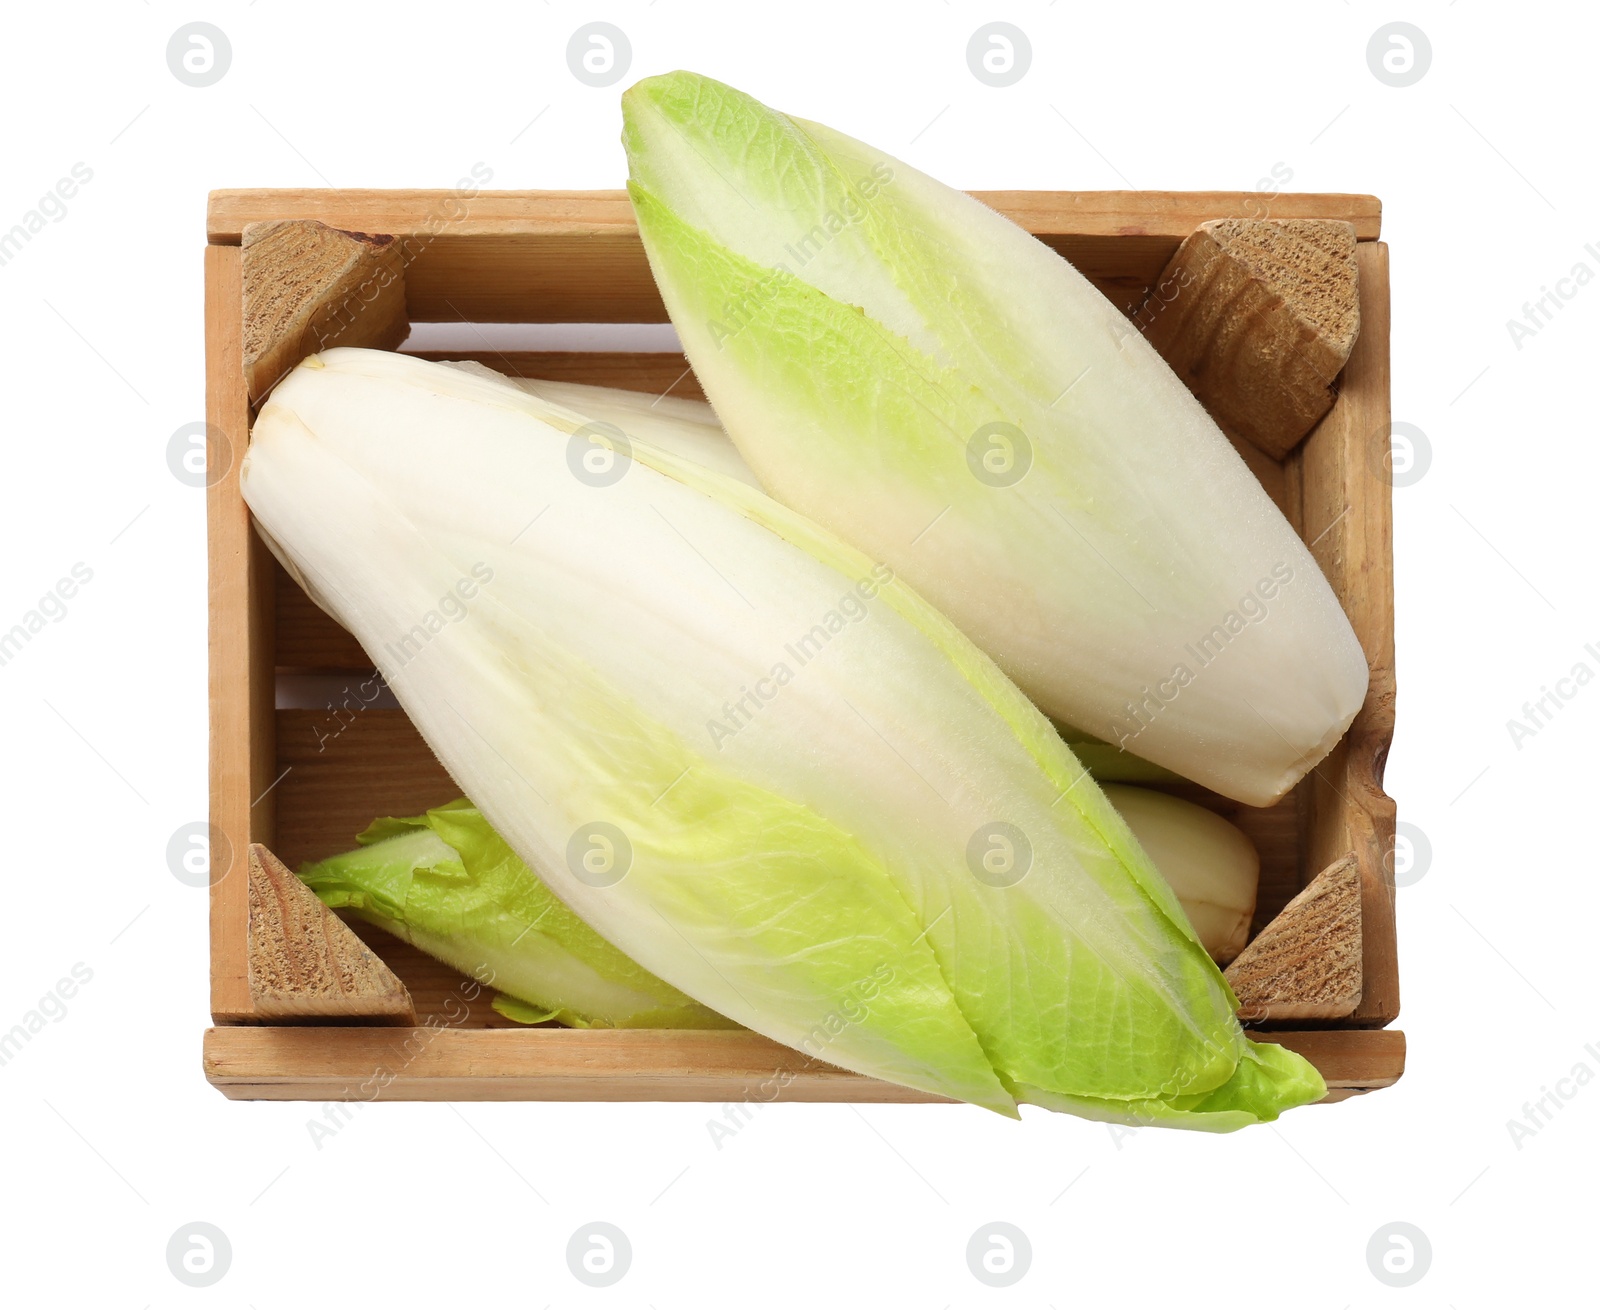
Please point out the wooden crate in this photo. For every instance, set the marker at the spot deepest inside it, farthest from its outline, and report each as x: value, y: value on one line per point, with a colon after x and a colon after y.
x: 304, y: 782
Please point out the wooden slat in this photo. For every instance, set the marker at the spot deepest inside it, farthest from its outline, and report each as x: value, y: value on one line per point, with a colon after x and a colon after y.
x: 605, y: 278
x: 1173, y: 214
x: 1348, y: 1058
x: 1349, y: 505
x: 240, y: 646
x: 447, y: 1063
x: 531, y: 1064
x: 1117, y: 214
x: 660, y: 373
x: 558, y: 257
x: 342, y: 771
x: 420, y: 211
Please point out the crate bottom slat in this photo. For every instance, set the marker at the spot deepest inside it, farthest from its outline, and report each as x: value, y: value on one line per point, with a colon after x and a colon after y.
x: 563, y: 1064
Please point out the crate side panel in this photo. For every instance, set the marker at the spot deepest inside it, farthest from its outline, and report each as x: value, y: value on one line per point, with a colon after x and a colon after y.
x: 556, y: 1064
x: 240, y: 642
x: 1347, y: 512
x: 343, y: 768
x: 552, y: 257
x: 1106, y: 214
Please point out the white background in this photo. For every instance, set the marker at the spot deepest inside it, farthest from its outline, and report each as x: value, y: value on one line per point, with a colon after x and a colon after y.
x: 113, y: 1138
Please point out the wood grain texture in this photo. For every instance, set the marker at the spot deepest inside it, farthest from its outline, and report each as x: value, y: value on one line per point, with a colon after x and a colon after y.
x: 342, y: 770
x: 1258, y: 318
x: 447, y: 1063
x: 1113, y: 214
x: 304, y: 963
x: 240, y: 645
x: 309, y: 287
x: 1306, y: 963
x: 1346, y: 506
x: 575, y: 257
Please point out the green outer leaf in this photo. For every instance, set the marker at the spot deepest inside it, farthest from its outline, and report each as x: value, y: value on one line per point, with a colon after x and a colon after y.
x: 1268, y: 1080
x: 522, y: 1012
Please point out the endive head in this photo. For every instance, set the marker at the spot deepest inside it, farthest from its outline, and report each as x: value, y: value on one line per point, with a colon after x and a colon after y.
x: 800, y: 859
x: 945, y: 392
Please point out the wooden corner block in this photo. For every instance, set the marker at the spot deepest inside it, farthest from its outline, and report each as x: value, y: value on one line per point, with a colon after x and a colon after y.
x: 308, y: 286
x: 1258, y: 316
x: 304, y: 963
x: 1306, y: 963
